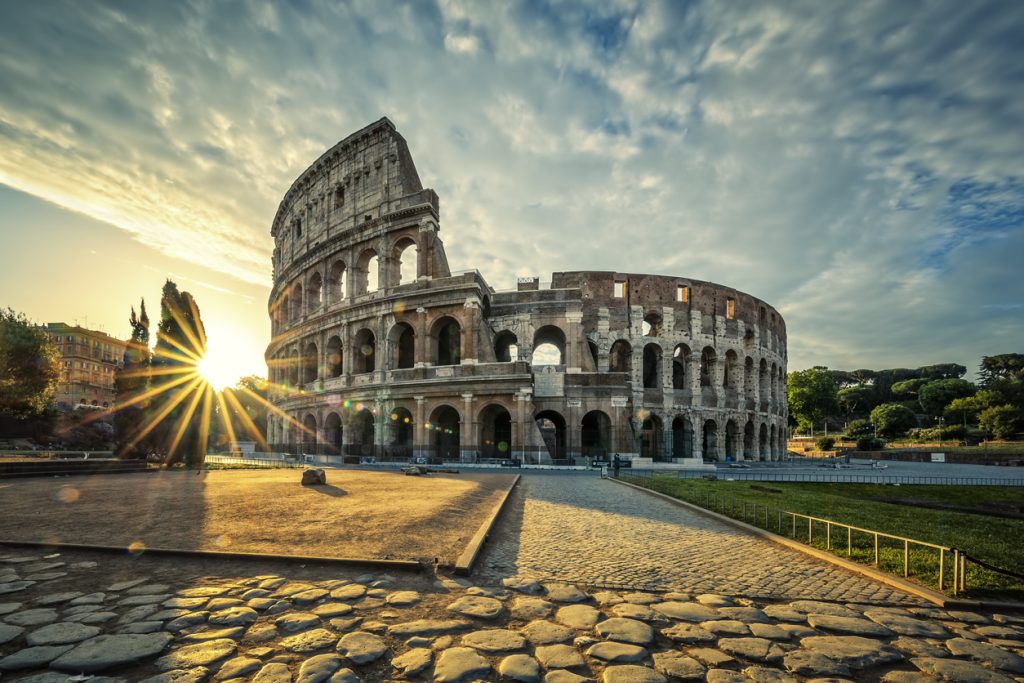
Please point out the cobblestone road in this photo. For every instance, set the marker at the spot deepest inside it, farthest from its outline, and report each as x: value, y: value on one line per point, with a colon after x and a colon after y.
x: 586, y: 529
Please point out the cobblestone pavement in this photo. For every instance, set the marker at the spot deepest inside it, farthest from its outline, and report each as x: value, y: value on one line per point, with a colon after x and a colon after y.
x: 587, y: 529
x: 75, y: 617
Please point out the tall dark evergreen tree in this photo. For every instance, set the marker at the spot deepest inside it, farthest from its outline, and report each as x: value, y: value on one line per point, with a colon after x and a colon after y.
x: 130, y: 383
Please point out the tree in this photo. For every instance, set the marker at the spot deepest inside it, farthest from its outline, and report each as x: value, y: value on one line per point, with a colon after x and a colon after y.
x: 936, y: 395
x: 1004, y: 365
x: 908, y: 388
x: 29, y: 367
x: 131, y: 381
x: 892, y: 419
x: 858, y: 398
x: 966, y: 410
x: 180, y: 394
x: 246, y: 412
x: 812, y: 395
x: 942, y: 371
x: 1004, y: 422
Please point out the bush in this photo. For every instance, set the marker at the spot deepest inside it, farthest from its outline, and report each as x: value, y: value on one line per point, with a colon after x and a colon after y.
x: 825, y: 443
x: 893, y: 419
x: 869, y: 443
x: 1004, y: 422
x: 858, y: 428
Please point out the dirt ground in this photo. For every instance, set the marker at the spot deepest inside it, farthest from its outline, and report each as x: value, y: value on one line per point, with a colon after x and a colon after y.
x: 359, y: 514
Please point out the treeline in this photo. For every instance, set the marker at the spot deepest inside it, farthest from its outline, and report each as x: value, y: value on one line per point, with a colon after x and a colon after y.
x: 933, y: 402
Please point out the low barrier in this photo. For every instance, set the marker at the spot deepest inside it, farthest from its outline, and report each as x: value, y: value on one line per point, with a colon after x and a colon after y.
x: 889, y: 552
x: 53, y: 468
x: 843, y: 477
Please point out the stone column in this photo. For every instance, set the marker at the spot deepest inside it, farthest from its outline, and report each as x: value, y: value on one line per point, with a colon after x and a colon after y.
x: 718, y: 380
x: 467, y: 430
x: 469, y: 332
x: 519, y: 429
x: 573, y: 420
x: 425, y: 250
x: 419, y: 431
x: 693, y: 370
x: 574, y: 342
x: 421, y: 340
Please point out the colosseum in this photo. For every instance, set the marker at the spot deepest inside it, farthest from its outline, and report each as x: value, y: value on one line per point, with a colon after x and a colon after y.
x: 380, y: 350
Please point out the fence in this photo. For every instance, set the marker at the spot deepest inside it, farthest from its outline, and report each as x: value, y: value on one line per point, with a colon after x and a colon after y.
x: 255, y: 460
x: 843, y: 478
x: 945, y: 565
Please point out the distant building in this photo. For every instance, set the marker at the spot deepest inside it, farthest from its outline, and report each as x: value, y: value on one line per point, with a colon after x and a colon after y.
x: 88, y: 360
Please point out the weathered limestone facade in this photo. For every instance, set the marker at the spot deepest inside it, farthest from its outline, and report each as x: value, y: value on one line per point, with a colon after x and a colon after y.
x: 378, y: 349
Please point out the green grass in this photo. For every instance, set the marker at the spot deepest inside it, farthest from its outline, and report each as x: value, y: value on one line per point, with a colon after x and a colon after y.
x: 992, y: 539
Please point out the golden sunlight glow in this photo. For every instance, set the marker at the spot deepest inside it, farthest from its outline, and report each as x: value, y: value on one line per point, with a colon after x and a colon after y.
x: 217, y: 373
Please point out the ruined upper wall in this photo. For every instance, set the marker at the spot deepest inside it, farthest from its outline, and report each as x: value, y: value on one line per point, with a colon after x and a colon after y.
x: 365, y: 177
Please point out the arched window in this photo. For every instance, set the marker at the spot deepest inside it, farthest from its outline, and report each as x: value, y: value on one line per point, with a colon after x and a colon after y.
x: 652, y: 366
x: 403, y: 346
x: 707, y: 366
x: 680, y: 358
x: 495, y: 432
x: 314, y: 295
x: 506, y: 347
x: 446, y: 335
x: 365, y: 351
x: 651, y: 326
x: 297, y: 302
x: 620, y: 359
x: 552, y: 430
x: 334, y: 357
x: 406, y: 256
x: 333, y: 432
x: 309, y: 364
x: 595, y: 434
x: 367, y: 273
x: 444, y: 424
x: 548, y: 346
x: 336, y: 281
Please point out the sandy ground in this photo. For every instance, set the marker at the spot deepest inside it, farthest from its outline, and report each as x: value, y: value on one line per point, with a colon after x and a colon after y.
x: 359, y: 514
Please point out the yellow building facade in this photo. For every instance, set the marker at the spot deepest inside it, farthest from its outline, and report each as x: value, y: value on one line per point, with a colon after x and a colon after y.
x: 88, y: 361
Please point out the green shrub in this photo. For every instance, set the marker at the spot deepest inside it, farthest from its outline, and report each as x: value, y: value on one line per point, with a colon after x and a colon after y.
x: 869, y: 443
x: 858, y: 428
x: 893, y: 419
x: 825, y: 443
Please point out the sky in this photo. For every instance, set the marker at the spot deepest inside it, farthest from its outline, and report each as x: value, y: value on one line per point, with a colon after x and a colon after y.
x: 858, y: 165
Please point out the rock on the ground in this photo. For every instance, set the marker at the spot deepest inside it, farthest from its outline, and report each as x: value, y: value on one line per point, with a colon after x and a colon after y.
x: 625, y: 630
x: 9, y: 632
x: 986, y: 653
x: 318, y: 668
x: 293, y: 622
x: 528, y: 586
x: 678, y: 666
x: 199, y: 654
x: 457, y: 663
x: 494, y: 640
x: 853, y: 651
x: 274, y: 672
x: 413, y: 661
x: 906, y: 626
x: 403, y: 598
x: 519, y: 668
x: 361, y: 647
x: 234, y: 616
x: 309, y: 641
x: 631, y: 673
x: 477, y: 606
x: 617, y: 652
x: 528, y: 609
x: 578, y: 616
x: 541, y: 632
x: 195, y: 675
x: 61, y: 633
x: 853, y: 626
x: 32, y: 657
x: 805, y: 663
x: 314, y: 477
x: 559, y: 656
x: 689, y: 634
x: 238, y: 666
x: 958, y: 670
x: 106, y: 651
x: 754, y: 649
x: 562, y: 592
x: 687, y: 611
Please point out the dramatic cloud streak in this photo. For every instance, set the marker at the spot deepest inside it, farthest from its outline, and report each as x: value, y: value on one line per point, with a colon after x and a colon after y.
x: 860, y: 166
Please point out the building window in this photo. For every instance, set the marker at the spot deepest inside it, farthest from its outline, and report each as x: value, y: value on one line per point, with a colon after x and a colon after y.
x: 298, y: 227
x: 682, y: 293
x: 339, y: 197
x: 620, y: 289
x: 730, y: 308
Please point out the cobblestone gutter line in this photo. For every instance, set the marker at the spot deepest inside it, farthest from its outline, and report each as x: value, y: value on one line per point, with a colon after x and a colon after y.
x: 403, y: 565
x: 882, y: 577
x: 473, y: 549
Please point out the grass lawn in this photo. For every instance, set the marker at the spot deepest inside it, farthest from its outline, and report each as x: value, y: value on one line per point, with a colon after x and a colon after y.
x: 996, y: 540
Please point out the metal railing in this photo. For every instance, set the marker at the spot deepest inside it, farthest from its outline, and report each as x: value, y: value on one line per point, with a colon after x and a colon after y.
x: 847, y: 478
x: 950, y: 562
x: 269, y: 460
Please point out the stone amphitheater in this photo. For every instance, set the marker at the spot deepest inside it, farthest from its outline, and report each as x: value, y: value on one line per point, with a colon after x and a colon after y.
x: 379, y: 350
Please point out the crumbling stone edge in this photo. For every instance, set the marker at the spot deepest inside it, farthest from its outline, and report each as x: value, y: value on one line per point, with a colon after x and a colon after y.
x: 402, y: 565
x: 471, y: 553
x: 882, y: 577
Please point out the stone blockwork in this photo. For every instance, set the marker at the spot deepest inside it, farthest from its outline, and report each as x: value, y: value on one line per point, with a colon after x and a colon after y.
x: 378, y: 349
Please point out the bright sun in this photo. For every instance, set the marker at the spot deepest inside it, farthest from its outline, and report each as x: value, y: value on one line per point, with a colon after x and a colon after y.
x: 216, y: 374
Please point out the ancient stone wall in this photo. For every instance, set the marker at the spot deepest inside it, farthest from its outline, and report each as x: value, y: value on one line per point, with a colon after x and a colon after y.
x: 378, y: 350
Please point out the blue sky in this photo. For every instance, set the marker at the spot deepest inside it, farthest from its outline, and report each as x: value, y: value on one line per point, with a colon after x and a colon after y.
x: 859, y: 165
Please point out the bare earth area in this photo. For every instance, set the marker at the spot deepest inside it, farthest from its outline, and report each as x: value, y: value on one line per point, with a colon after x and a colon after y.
x: 359, y: 514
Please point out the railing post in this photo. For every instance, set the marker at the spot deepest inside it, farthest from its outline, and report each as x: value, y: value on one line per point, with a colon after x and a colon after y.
x: 956, y: 570
x: 828, y: 535
x: 906, y: 558
x: 876, y: 549
x: 808, y: 531
x: 849, y: 542
x: 942, y: 565
x: 963, y: 572
x: 794, y: 523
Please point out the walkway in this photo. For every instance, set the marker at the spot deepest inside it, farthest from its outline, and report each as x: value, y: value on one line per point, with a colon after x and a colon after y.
x: 585, y: 529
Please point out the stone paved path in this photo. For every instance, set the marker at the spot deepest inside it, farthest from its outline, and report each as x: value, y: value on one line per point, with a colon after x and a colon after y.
x: 75, y: 616
x: 585, y: 529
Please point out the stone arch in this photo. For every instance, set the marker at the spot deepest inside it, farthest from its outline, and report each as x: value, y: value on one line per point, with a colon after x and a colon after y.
x: 782, y: 450
x: 309, y: 438
x: 506, y: 347
x: 620, y: 358
x: 296, y: 312
x: 763, y: 447
x: 495, y: 431
x: 709, y: 440
x: 708, y: 359
x: 774, y: 447
x: 446, y: 341
x: 334, y: 363
x: 682, y: 437
x: 293, y: 368
x: 730, y: 370
x: 596, y: 434
x: 732, y: 451
x: 364, y: 351
x: 552, y: 430
x: 310, y: 365
x: 548, y: 341
x: 334, y: 432
x: 444, y: 426
x: 336, y: 286
x: 592, y: 348
x: 651, y: 325
x: 774, y: 383
x: 401, y: 426
x: 652, y: 366
x: 367, y: 272
x: 406, y: 257
x: 314, y: 293
x: 749, y: 446
x: 762, y: 382
x: 402, y: 340
x: 748, y: 383
x: 652, y: 438
x: 680, y: 359
x: 362, y: 429
x: 284, y: 310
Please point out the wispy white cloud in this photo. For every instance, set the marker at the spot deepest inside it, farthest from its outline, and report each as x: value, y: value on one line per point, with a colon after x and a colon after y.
x: 845, y: 162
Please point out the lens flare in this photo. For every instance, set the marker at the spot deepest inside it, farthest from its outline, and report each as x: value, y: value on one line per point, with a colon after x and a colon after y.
x: 136, y: 548
x: 68, y: 494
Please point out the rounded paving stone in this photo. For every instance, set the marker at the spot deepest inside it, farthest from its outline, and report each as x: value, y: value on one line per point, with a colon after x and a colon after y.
x: 559, y: 657
x: 958, y: 670
x: 562, y: 592
x: 61, y: 634
x: 32, y: 617
x: 293, y: 622
x: 906, y: 626
x: 329, y: 610
x: 726, y: 627
x: 494, y: 640
x: 234, y: 616
x: 413, y: 661
x: 754, y: 649
x: 32, y: 657
x: 274, y: 672
x: 986, y: 653
x: 9, y: 632
x: 689, y: 634
x: 578, y: 616
x: 687, y: 611
x: 195, y: 675
x: 361, y: 647
x: 519, y: 668
x: 628, y: 610
x: 853, y: 626
x: 403, y: 598
x: 232, y: 632
x: 350, y: 592
x: 528, y: 586
x: 678, y: 666
x: 308, y: 596
x: 617, y: 652
x: 563, y: 676
x: 457, y: 663
x: 528, y: 609
x: 853, y: 651
x: 542, y: 632
x: 477, y: 606
x: 816, y: 607
x: 106, y: 651
x: 631, y: 673
x: 625, y: 630
x: 309, y: 641
x: 238, y: 666
x: 762, y: 674
x: 805, y: 663
x: 199, y: 654
x: 318, y: 668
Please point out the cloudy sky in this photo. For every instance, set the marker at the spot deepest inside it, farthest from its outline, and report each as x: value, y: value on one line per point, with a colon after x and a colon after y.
x: 860, y: 165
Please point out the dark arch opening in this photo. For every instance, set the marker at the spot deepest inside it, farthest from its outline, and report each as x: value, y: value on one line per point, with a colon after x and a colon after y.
x: 552, y: 430
x: 680, y: 357
x: 314, y: 295
x: 652, y: 366
x: 709, y: 440
x: 333, y: 432
x: 651, y: 438
x: 447, y: 337
x: 596, y: 434
x: 620, y: 358
x: 309, y: 434
x: 401, y: 428
x: 444, y: 424
x: 334, y: 362
x: 309, y: 364
x: 548, y: 346
x: 403, y: 344
x: 362, y: 433
x: 365, y: 351
x: 682, y: 438
x: 495, y: 432
x: 506, y: 347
